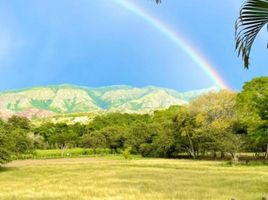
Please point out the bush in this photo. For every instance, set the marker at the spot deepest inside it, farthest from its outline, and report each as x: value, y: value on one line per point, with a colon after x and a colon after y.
x: 103, y: 151
x: 126, y: 153
x: 88, y: 152
x: 146, y: 150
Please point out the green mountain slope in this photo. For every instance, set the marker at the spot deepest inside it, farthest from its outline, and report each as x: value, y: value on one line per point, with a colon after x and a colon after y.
x: 68, y: 99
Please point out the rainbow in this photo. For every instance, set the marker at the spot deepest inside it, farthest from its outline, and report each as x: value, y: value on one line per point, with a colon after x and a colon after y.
x: 179, y: 40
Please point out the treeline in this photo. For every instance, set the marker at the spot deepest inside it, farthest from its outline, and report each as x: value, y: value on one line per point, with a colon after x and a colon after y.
x: 216, y: 125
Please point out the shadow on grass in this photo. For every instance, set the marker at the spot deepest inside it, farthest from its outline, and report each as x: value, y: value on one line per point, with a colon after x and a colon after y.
x: 253, y: 163
x: 5, y: 169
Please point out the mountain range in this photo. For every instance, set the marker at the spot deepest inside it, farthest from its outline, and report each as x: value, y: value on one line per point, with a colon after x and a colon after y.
x: 41, y: 102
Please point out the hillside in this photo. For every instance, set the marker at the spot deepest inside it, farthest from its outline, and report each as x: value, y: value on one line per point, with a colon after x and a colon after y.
x: 39, y: 102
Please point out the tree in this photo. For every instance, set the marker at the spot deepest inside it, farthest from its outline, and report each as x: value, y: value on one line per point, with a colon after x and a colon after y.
x: 62, y: 136
x: 253, y: 17
x: 5, y: 151
x: 94, y: 140
x: 186, y: 130
x: 252, y: 104
x: 215, y: 120
x: 19, y: 122
x: 14, y: 139
x: 22, y: 143
x: 167, y: 143
x: 141, y: 133
x: 115, y: 136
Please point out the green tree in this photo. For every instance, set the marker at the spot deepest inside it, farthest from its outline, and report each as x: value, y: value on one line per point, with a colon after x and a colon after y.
x: 94, y: 140
x: 167, y: 143
x: 252, y: 104
x: 63, y: 136
x: 186, y: 130
x: 21, y: 141
x: 19, y: 122
x: 139, y: 134
x: 115, y: 136
x: 215, y: 119
x: 5, y: 144
x: 14, y: 139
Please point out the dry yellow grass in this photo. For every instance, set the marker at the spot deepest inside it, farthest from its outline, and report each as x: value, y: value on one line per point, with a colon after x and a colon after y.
x: 144, y: 179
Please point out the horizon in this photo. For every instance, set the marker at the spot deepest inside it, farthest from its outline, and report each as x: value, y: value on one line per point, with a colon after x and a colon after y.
x: 105, y: 86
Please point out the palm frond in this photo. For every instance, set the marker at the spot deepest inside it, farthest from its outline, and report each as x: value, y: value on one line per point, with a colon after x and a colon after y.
x: 253, y: 17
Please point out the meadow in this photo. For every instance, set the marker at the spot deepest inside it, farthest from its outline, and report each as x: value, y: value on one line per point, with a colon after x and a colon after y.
x: 112, y: 177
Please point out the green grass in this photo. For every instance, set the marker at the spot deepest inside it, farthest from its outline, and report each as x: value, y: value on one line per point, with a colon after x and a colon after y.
x: 111, y: 177
x: 66, y: 153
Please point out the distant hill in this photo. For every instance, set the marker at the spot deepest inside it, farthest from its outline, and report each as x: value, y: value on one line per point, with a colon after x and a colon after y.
x: 39, y: 102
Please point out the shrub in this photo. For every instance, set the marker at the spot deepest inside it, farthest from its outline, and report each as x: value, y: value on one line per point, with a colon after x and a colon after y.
x: 103, y: 151
x: 88, y: 152
x: 126, y: 153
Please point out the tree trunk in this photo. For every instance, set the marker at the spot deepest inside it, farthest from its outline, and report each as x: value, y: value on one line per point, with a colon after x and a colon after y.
x: 222, y: 155
x: 191, y: 149
x: 214, y: 155
x: 266, y: 154
x: 234, y: 157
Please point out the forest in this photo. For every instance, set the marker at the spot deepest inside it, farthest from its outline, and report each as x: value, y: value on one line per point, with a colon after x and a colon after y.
x: 218, y: 125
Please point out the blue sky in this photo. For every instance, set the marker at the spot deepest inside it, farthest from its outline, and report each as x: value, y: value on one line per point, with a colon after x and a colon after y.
x: 98, y: 43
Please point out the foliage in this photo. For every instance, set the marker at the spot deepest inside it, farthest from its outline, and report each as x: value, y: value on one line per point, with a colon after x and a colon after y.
x: 14, y: 139
x: 19, y: 122
x: 126, y: 153
x: 94, y: 140
x: 252, y: 105
x: 216, y: 125
x: 216, y: 122
x: 253, y: 17
x: 5, y: 150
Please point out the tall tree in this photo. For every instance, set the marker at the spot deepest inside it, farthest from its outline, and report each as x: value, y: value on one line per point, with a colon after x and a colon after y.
x: 186, y: 129
x: 215, y: 116
x: 252, y: 103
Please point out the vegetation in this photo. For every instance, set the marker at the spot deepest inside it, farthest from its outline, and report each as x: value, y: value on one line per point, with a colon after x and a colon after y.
x: 14, y: 138
x: 219, y: 125
x: 252, y: 101
x: 253, y: 17
x: 112, y: 177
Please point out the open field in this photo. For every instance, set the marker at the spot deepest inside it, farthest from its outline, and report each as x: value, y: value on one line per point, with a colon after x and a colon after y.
x: 114, y: 178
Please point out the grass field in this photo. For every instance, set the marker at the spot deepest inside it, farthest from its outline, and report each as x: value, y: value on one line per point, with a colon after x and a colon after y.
x: 111, y: 177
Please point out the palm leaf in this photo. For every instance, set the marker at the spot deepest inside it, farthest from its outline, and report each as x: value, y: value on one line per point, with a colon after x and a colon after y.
x: 253, y: 17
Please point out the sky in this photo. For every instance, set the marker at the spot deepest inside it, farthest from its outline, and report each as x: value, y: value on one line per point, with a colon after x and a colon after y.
x: 100, y: 42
